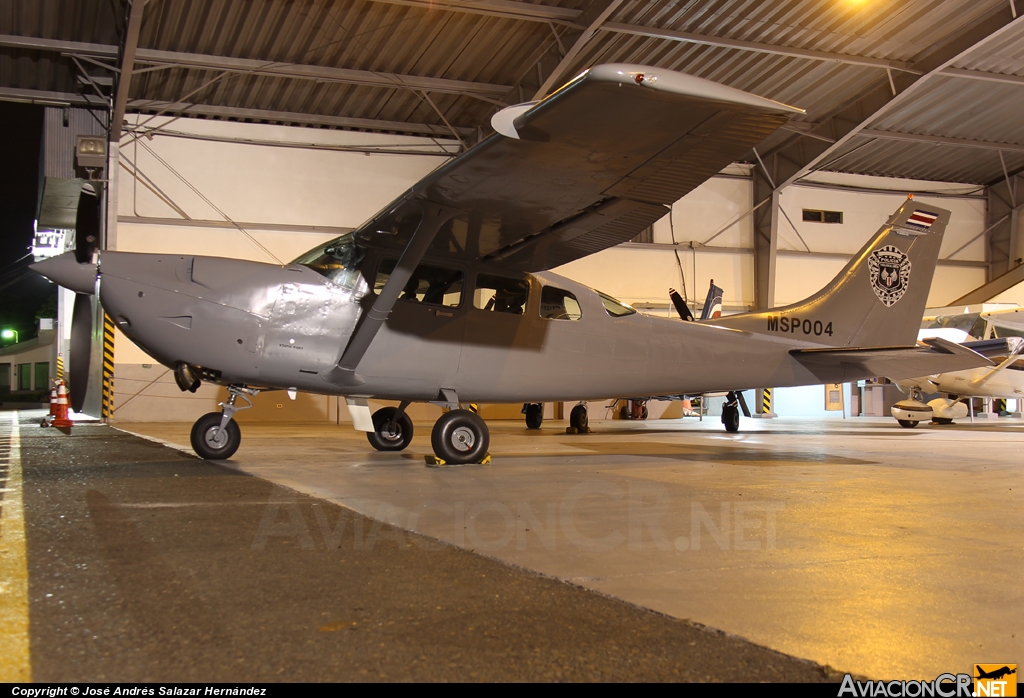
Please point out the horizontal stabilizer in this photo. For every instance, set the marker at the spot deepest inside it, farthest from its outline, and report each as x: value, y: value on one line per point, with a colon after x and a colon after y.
x: 841, y: 365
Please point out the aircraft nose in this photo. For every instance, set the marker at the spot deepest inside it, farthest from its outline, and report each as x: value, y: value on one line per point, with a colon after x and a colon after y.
x: 65, y: 270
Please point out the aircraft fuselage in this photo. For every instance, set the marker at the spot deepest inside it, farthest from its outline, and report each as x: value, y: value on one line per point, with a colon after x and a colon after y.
x: 285, y: 326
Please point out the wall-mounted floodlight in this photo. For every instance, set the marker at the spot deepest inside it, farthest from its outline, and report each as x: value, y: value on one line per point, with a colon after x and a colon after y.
x: 91, y: 151
x: 10, y: 334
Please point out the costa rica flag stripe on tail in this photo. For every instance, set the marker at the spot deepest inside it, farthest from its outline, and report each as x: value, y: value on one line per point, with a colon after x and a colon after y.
x: 922, y: 219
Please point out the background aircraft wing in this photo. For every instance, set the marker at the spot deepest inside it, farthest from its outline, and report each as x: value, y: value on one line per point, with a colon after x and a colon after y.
x: 586, y: 168
x: 1004, y: 346
x: 937, y: 356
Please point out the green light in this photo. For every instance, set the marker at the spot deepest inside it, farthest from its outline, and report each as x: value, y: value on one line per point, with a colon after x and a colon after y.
x: 9, y: 334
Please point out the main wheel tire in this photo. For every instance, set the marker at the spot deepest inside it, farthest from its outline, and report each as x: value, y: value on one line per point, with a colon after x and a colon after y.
x: 460, y: 437
x: 578, y: 418
x: 210, y: 442
x: 942, y: 420
x: 384, y: 439
x: 907, y: 423
x: 534, y: 415
x: 731, y: 418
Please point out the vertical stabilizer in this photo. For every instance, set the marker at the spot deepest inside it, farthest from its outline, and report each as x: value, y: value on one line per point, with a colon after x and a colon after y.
x: 877, y: 299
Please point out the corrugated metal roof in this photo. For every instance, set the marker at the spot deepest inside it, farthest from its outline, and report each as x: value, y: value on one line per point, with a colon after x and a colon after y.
x: 423, y: 40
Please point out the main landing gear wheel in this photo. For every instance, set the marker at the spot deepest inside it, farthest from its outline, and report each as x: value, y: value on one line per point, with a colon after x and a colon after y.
x: 460, y: 437
x: 907, y: 423
x: 213, y: 443
x: 390, y: 434
x: 731, y: 418
x: 534, y: 414
x: 578, y: 418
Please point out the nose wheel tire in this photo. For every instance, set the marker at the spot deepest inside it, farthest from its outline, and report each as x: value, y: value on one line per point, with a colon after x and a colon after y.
x: 907, y: 423
x: 390, y: 434
x: 213, y: 443
x: 578, y: 418
x: 460, y: 437
x: 731, y: 418
x: 534, y: 415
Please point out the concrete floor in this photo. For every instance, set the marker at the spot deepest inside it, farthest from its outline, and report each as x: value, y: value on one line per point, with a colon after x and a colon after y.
x: 139, y: 563
x: 882, y: 551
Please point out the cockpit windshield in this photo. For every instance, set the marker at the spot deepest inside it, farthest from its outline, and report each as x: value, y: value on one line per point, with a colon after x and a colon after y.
x: 615, y: 308
x: 338, y: 260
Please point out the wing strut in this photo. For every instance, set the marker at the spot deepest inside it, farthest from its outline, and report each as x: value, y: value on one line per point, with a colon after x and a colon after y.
x: 434, y: 216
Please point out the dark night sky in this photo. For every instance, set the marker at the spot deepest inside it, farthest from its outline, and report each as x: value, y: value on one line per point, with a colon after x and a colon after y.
x: 21, y: 290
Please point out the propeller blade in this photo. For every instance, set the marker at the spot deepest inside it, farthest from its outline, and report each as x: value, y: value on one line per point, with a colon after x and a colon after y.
x: 87, y: 224
x: 81, y: 348
x: 680, y: 305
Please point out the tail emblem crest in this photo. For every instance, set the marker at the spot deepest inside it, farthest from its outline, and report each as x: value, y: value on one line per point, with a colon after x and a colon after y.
x: 889, y: 268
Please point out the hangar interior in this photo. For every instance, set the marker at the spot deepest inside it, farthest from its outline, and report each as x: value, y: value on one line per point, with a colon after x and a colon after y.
x: 260, y: 129
x: 258, y: 135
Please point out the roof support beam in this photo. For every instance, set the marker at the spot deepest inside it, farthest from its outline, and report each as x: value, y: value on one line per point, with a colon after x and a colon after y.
x: 56, y: 99
x: 496, y: 8
x: 941, y: 140
x: 799, y: 156
x: 595, y: 16
x: 60, y: 99
x: 127, y: 62
x: 186, y: 109
x: 689, y: 37
x: 981, y: 75
x: 269, y: 68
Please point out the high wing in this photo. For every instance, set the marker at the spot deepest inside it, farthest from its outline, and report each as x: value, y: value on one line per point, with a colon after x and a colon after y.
x: 588, y: 167
x: 936, y: 356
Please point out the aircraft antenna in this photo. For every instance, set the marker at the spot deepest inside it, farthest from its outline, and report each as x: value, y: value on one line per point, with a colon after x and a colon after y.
x: 679, y: 262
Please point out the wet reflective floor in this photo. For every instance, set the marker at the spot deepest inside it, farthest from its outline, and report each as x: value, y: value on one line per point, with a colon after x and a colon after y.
x: 887, y: 552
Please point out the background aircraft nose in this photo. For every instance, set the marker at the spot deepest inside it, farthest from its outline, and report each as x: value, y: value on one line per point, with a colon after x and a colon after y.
x: 66, y: 271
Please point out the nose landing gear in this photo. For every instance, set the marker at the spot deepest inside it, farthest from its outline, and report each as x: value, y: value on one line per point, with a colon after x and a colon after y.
x: 579, y: 420
x: 392, y: 429
x: 215, y: 435
x: 534, y: 412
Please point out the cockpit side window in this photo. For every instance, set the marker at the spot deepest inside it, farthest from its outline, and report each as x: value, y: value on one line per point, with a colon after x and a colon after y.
x: 428, y: 284
x: 501, y: 294
x: 338, y: 260
x: 558, y: 304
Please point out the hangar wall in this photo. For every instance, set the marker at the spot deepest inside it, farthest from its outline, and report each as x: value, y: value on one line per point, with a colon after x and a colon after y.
x: 268, y: 193
x: 810, y: 254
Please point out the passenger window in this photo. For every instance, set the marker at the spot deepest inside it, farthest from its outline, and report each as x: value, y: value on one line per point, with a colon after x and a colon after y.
x: 501, y: 294
x: 428, y: 284
x: 556, y: 304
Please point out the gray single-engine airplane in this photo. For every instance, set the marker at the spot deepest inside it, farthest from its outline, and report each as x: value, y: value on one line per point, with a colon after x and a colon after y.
x: 444, y: 297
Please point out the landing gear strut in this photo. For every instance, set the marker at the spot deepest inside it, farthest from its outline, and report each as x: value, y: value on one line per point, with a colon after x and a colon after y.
x: 460, y: 437
x: 215, y: 435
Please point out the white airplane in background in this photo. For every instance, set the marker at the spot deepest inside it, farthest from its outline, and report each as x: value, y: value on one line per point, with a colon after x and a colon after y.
x: 996, y: 333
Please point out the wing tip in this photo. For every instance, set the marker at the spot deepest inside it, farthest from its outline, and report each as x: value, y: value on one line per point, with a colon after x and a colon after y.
x: 666, y: 80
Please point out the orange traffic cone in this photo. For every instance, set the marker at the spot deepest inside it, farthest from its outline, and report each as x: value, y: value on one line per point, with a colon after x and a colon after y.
x: 61, y: 418
x: 53, y: 407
